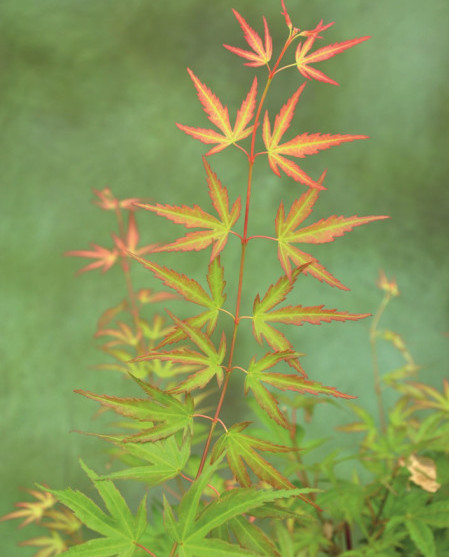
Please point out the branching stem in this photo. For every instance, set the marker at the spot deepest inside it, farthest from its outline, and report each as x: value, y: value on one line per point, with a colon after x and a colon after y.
x: 145, y: 549
x: 265, y: 237
x: 211, y: 419
x: 208, y: 485
x: 244, y: 240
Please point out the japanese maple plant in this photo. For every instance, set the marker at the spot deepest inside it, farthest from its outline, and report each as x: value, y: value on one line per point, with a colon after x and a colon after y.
x: 228, y: 489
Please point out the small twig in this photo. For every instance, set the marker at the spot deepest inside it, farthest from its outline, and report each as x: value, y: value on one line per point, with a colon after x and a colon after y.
x: 211, y: 419
x: 145, y: 549
x: 348, y: 537
x: 191, y: 481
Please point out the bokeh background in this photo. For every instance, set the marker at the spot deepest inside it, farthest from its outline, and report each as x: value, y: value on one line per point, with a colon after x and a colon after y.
x: 89, y: 94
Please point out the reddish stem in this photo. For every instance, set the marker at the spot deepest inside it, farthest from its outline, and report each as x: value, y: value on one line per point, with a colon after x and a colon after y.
x: 208, y: 485
x: 211, y: 419
x: 145, y: 549
x: 348, y: 538
x: 265, y: 237
x: 244, y: 240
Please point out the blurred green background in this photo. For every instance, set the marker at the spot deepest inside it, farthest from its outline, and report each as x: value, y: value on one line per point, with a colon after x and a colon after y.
x: 90, y: 91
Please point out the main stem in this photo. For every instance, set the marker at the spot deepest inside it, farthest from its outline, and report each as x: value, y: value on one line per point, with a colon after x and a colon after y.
x: 244, y: 240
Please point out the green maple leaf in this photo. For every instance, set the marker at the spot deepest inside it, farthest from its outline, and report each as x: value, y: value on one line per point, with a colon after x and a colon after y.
x: 207, y: 362
x: 193, y: 292
x: 216, y: 229
x: 49, y: 545
x: 161, y: 415
x: 241, y: 451
x: 120, y: 529
x: 251, y: 536
x: 257, y: 374
x: 322, y: 231
x: 264, y: 314
x: 161, y: 461
x: 196, y: 521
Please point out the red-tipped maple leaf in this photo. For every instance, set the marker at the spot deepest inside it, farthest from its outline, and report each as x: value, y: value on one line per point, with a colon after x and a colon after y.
x: 32, y: 511
x: 106, y: 258
x: 303, y: 59
x: 131, y: 240
x: 300, y: 146
x: 207, y: 363
x: 284, y: 12
x: 257, y: 374
x: 263, y: 313
x: 264, y: 398
x: 192, y: 291
x: 108, y: 202
x: 275, y: 295
x: 217, y: 230
x: 122, y: 335
x: 261, y: 53
x: 218, y: 115
x: 325, y: 230
x: 241, y: 451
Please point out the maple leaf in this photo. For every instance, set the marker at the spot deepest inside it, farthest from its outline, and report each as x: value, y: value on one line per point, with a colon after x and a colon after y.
x: 257, y: 374
x: 157, y: 461
x: 250, y: 536
x: 32, y: 511
x: 208, y: 363
x: 424, y: 396
x: 192, y: 291
x: 241, y: 448
x: 303, y: 59
x: 300, y: 146
x: 108, y: 202
x: 162, y: 413
x: 275, y: 295
x: 261, y: 53
x: 129, y: 244
x: 217, y: 230
x: 50, y: 545
x: 323, y: 231
x: 218, y: 115
x: 264, y: 398
x: 120, y: 530
x: 63, y: 520
x: 123, y: 334
x: 288, y: 21
x: 194, y: 528
x: 263, y: 313
x: 106, y: 258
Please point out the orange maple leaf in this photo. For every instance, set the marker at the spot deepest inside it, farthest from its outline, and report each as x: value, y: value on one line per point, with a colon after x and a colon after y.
x: 300, y: 146
x: 261, y: 53
x: 303, y: 59
x: 219, y: 116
